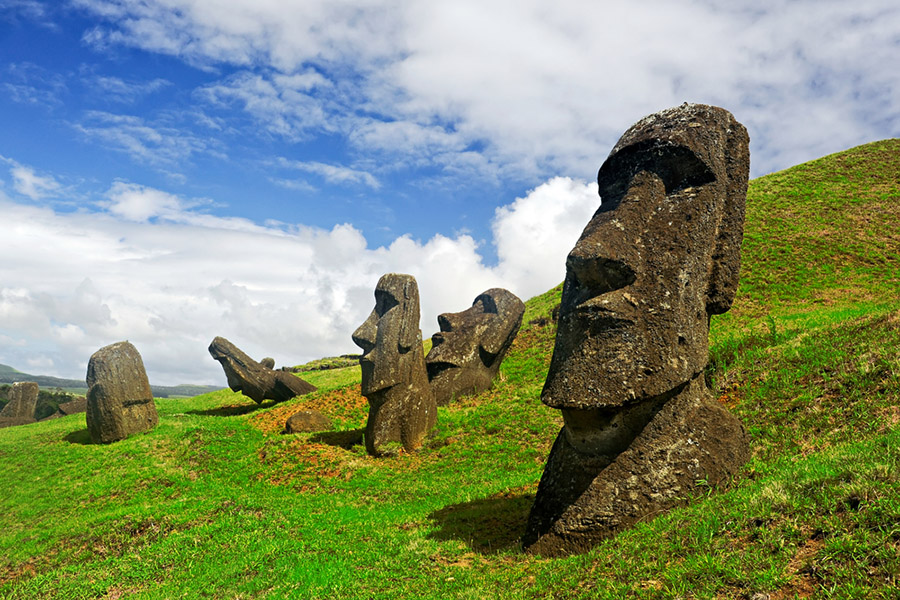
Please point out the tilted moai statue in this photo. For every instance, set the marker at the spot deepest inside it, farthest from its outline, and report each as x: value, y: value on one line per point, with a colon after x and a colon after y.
x: 658, y: 258
x: 119, y: 401
x: 256, y: 380
x: 401, y: 406
x: 466, y: 353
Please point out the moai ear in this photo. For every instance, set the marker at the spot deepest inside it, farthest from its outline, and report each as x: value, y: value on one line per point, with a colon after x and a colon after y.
x: 726, y: 259
x: 409, y: 324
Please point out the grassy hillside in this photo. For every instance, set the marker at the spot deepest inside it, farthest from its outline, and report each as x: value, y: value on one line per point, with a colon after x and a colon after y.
x: 216, y: 503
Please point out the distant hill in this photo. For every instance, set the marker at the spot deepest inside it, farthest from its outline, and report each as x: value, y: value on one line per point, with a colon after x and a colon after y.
x: 79, y: 386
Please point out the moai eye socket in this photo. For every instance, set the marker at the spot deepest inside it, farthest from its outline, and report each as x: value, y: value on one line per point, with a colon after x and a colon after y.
x: 678, y: 167
x: 384, y: 301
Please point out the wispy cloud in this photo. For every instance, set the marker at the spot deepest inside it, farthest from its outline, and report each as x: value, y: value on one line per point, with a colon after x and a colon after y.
x: 158, y: 146
x: 119, y: 90
x: 283, y: 35
x: 28, y: 183
x: 27, y: 83
x: 285, y: 105
x: 336, y: 174
x: 11, y: 10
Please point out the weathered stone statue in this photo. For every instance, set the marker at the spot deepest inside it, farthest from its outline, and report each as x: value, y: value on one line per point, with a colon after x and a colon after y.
x: 256, y: 380
x: 23, y: 397
x: 401, y: 406
x: 119, y: 401
x: 658, y: 258
x: 21, y: 405
x: 466, y: 353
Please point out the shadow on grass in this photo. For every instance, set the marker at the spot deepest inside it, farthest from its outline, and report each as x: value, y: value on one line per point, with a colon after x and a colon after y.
x: 488, y: 526
x: 232, y: 410
x: 81, y: 436
x: 342, y: 439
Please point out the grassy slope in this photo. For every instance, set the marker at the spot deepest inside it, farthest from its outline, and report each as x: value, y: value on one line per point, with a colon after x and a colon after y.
x: 215, y: 503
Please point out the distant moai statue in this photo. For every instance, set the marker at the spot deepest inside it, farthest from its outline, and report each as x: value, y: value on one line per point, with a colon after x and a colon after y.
x: 256, y: 380
x: 119, y: 401
x: 659, y: 257
x: 402, y: 409
x: 20, y: 408
x: 468, y: 350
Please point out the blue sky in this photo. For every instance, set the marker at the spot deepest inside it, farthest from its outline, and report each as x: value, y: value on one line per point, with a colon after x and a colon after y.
x: 173, y: 170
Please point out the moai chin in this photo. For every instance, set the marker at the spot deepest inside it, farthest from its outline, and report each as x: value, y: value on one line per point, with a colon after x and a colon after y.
x: 401, y: 406
x: 657, y: 259
x: 467, y: 352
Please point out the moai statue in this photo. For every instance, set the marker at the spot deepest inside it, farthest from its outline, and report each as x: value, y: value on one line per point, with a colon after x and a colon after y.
x: 658, y: 258
x: 401, y: 406
x: 256, y: 380
x: 119, y: 401
x: 23, y: 397
x: 466, y: 353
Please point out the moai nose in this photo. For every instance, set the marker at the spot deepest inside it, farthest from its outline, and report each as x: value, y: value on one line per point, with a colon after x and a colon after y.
x: 597, y: 273
x: 365, y: 334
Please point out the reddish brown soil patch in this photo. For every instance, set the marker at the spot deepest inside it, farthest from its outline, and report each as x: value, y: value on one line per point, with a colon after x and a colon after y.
x: 345, y: 403
x: 304, y: 461
x: 731, y: 394
x: 804, y: 583
x: 11, y: 573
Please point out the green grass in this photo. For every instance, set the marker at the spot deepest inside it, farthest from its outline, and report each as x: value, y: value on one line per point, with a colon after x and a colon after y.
x: 216, y: 503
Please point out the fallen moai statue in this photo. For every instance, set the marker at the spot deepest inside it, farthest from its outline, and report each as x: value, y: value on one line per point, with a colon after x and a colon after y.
x: 255, y: 380
x: 401, y: 406
x: 658, y: 258
x: 468, y: 350
x: 119, y: 401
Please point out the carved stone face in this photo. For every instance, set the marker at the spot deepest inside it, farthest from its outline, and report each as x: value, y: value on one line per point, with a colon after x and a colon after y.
x: 466, y: 353
x: 657, y: 259
x: 389, y: 334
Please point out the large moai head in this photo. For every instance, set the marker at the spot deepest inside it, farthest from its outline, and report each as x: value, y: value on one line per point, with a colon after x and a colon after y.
x: 660, y: 255
x: 657, y: 259
x: 467, y: 351
x: 401, y: 406
x: 390, y: 333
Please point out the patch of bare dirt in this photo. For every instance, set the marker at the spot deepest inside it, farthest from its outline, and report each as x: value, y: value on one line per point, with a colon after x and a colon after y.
x: 802, y: 570
x: 345, y: 403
